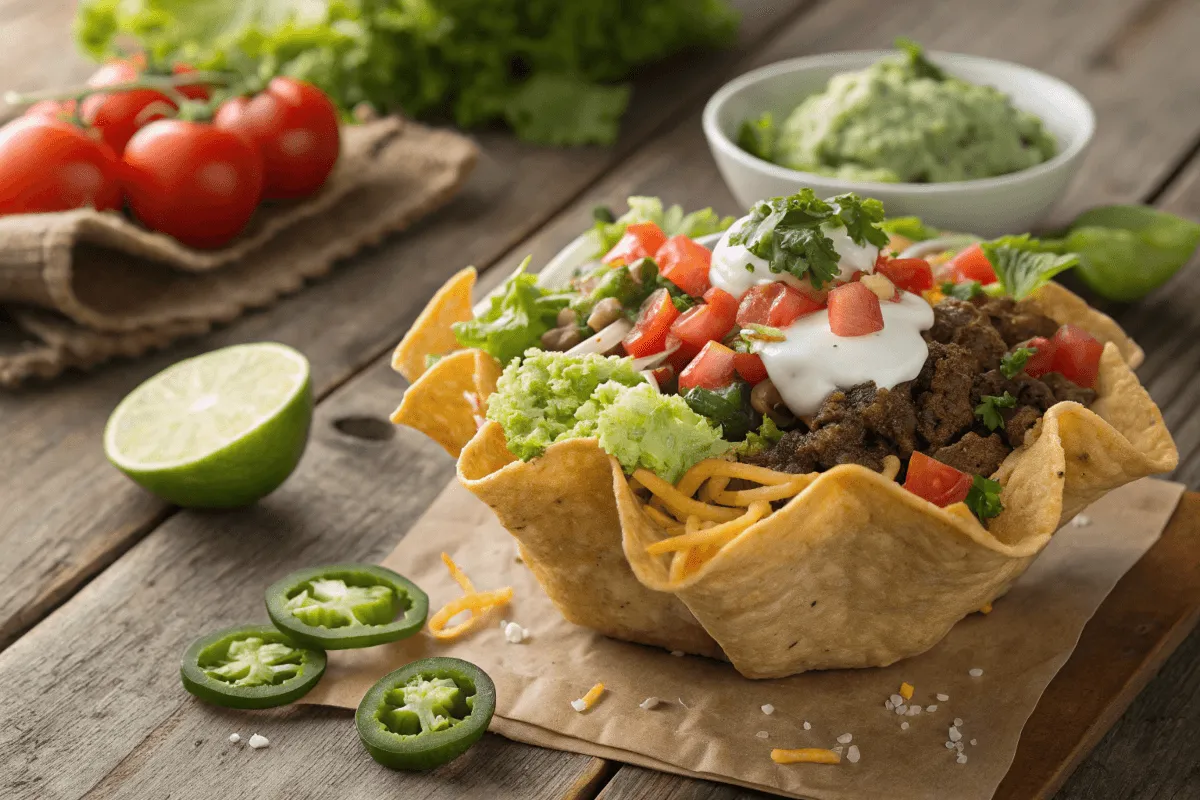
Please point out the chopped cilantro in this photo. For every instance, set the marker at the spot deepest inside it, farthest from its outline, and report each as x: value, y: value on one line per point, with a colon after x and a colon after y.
x: 989, y: 409
x: 861, y: 218
x: 967, y: 290
x: 983, y: 498
x: 1014, y: 363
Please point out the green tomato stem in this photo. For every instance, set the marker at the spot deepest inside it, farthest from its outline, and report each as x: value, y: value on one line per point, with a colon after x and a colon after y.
x: 168, y: 84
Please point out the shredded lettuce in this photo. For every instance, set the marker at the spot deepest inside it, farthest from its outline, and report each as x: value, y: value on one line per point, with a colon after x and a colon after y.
x: 550, y: 69
x: 673, y: 221
x: 518, y: 316
x: 1023, y: 265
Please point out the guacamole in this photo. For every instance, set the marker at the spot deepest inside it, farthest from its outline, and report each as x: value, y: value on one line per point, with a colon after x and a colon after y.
x: 903, y: 120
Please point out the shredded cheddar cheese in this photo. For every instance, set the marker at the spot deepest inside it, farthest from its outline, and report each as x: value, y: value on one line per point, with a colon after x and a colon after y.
x: 987, y: 608
x: 477, y: 603
x: 906, y: 690
x: 714, y: 535
x: 589, y: 699
x: 805, y: 755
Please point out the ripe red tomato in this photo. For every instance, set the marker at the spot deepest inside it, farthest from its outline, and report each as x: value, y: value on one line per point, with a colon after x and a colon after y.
x: 854, y: 310
x: 649, y: 334
x: 641, y: 240
x: 750, y: 366
x: 193, y: 181
x: 940, y: 484
x: 685, y: 264
x: 295, y: 127
x: 197, y: 91
x: 706, y: 321
x: 55, y: 109
x: 1042, y: 360
x: 972, y: 265
x: 1077, y: 355
x: 789, y: 305
x: 47, y: 164
x: 909, y: 274
x: 119, y: 115
x: 682, y: 352
x: 711, y: 369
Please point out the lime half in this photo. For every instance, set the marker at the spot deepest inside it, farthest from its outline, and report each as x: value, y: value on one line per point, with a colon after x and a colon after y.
x: 216, y: 431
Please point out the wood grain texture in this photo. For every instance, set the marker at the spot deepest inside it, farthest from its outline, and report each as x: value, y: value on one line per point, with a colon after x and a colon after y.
x: 67, y: 515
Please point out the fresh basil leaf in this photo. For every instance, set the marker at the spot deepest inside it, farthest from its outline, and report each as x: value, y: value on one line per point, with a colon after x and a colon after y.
x: 516, y: 318
x: 989, y: 409
x: 728, y: 407
x: 967, y: 290
x: 757, y: 136
x: 1013, y: 364
x: 983, y: 498
x: 911, y: 228
x: 1126, y: 251
x: 1024, y: 264
x: 920, y: 66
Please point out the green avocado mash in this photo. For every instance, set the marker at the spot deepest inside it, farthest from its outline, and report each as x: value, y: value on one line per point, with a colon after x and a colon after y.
x: 903, y: 120
x: 550, y: 397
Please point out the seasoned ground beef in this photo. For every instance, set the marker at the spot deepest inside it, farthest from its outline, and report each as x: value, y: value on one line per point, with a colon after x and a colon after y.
x: 935, y: 413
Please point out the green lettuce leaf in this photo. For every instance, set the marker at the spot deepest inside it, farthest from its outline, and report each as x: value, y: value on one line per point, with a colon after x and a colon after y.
x: 566, y: 110
x: 516, y: 319
x: 1023, y: 265
x: 911, y: 228
x: 673, y: 221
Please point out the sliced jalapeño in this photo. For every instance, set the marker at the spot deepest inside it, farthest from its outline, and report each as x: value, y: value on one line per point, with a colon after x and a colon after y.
x: 426, y: 714
x: 343, y: 606
x: 250, y: 666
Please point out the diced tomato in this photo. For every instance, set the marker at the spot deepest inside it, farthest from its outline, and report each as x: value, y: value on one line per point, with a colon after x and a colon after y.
x: 854, y: 310
x: 682, y: 352
x: 641, y: 240
x: 649, y: 334
x: 756, y: 303
x: 1042, y: 361
x: 909, y: 274
x: 789, y: 305
x: 711, y: 369
x: 1077, y: 355
x: 685, y: 264
x: 750, y: 367
x: 940, y: 484
x: 972, y: 265
x: 663, y: 376
x: 706, y: 321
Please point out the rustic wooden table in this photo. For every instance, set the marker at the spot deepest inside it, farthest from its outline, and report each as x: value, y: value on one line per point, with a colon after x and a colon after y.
x: 101, y: 586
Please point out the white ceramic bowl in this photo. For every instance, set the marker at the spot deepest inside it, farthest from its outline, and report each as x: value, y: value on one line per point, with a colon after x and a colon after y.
x: 990, y: 206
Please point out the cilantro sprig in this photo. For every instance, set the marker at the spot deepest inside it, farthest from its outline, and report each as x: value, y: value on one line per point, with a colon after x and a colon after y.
x: 967, y: 290
x: 983, y: 498
x: 1013, y: 363
x: 787, y: 232
x: 989, y: 409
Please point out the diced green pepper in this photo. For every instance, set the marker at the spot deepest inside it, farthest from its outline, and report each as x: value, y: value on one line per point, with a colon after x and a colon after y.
x: 728, y: 407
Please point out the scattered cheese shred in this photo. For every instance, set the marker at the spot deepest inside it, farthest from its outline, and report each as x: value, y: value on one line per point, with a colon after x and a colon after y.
x: 987, y: 608
x: 718, y: 534
x: 478, y: 603
x: 805, y: 755
x: 589, y: 699
x: 906, y: 690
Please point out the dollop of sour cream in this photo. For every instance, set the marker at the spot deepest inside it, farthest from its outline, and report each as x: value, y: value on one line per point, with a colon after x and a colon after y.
x: 735, y: 269
x: 811, y: 362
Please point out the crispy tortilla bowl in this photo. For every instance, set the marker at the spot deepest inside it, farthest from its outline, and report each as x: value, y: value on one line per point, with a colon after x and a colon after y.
x: 852, y: 571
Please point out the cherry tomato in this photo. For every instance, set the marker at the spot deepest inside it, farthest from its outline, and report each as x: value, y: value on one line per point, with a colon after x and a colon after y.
x: 55, y: 109
x: 750, y: 366
x: 1042, y: 360
x: 197, y: 91
x: 47, y: 164
x: 649, y: 334
x: 972, y: 265
x: 707, y: 321
x: 1077, y: 355
x: 641, y: 240
x: 789, y: 305
x: 119, y: 115
x: 295, y: 127
x: 193, y: 181
x: 908, y: 274
x: 854, y: 310
x: 940, y: 484
x: 685, y: 264
x: 711, y: 369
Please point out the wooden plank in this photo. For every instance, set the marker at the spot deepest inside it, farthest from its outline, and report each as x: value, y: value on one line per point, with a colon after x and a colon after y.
x: 1149, y: 613
x: 68, y: 515
x: 92, y: 700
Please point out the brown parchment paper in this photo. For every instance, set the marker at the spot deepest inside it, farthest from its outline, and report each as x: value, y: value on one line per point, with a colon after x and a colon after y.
x: 707, y: 723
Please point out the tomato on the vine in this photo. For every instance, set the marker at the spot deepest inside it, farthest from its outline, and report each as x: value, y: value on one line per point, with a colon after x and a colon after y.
x: 47, y: 164
x: 55, y: 109
x: 295, y: 127
x: 119, y: 115
x: 194, y: 181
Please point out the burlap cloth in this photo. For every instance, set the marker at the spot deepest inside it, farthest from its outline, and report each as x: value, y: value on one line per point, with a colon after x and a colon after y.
x: 81, y: 287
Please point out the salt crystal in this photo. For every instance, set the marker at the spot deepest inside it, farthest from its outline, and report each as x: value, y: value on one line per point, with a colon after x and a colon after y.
x: 259, y: 742
x: 897, y: 700
x: 903, y: 726
x: 845, y: 738
x: 649, y: 703
x: 975, y: 673
x: 954, y: 734
x: 1081, y: 521
x: 962, y: 758
x: 931, y: 708
x: 949, y: 745
x: 768, y: 709
x: 514, y: 633
x: 974, y: 742
x: 914, y: 711
x: 888, y: 705
x: 943, y: 697
x: 852, y: 755
x: 958, y: 746
x: 958, y: 722
x: 901, y: 709
x: 235, y: 738
x: 807, y: 727
x: 762, y: 734
x: 579, y: 705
